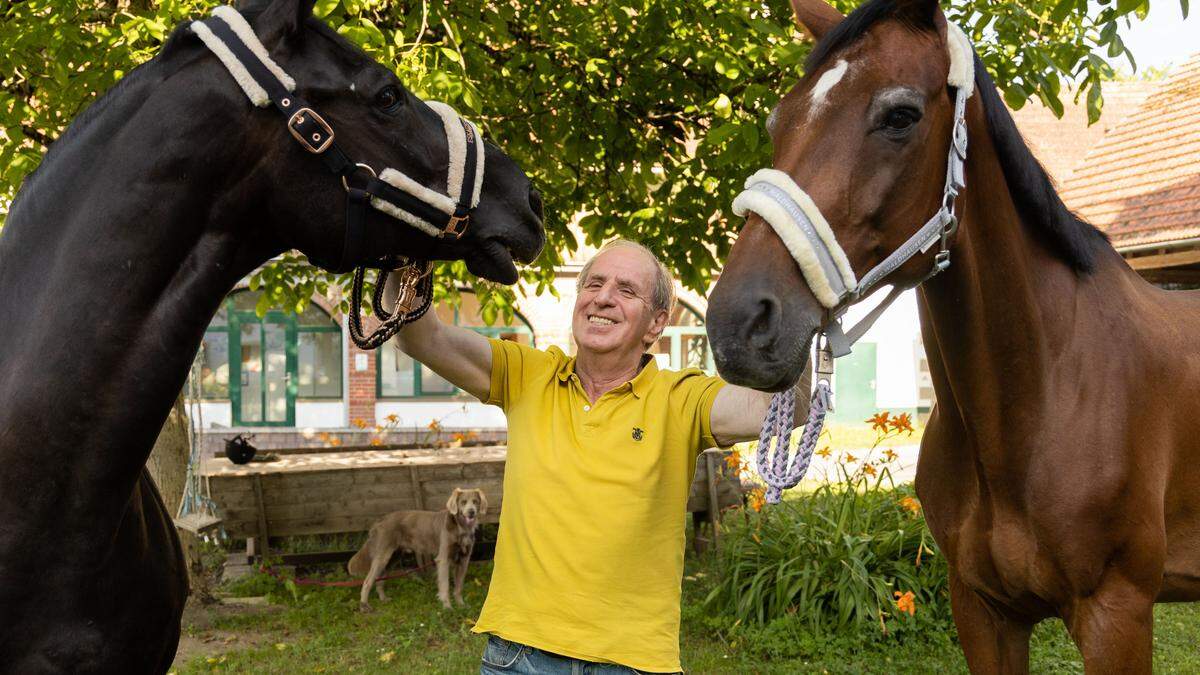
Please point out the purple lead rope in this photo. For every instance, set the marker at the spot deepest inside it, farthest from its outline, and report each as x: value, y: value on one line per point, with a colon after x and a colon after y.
x: 785, y: 468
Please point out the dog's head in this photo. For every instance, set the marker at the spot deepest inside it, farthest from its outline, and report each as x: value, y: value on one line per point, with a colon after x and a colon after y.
x: 467, y: 505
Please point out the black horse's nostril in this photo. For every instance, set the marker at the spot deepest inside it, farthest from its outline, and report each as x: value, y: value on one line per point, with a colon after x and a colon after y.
x: 764, y: 324
x: 535, y: 202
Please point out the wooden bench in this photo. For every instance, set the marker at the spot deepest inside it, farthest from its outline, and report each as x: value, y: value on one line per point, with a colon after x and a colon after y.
x: 348, y: 491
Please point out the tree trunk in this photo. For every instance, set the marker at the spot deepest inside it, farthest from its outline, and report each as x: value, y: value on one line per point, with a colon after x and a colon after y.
x: 169, y: 459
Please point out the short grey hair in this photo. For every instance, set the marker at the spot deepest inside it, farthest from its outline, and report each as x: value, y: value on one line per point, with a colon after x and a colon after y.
x: 662, y: 296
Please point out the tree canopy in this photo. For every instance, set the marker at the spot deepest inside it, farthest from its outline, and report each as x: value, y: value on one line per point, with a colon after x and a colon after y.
x: 643, y: 115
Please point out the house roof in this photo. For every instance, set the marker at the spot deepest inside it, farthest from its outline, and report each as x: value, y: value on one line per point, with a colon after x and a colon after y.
x: 1140, y: 182
x: 1062, y: 144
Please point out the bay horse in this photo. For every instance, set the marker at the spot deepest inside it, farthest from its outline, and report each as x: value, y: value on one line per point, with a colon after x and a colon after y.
x: 114, y: 258
x: 1060, y: 469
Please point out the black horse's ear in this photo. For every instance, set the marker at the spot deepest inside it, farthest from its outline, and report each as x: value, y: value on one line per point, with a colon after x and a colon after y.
x: 921, y: 13
x: 280, y: 19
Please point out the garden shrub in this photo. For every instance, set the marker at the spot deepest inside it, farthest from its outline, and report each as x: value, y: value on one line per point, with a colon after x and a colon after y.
x: 850, y: 556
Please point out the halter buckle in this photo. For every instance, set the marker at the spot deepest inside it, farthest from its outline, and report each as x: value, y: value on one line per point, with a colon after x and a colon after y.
x: 313, y: 132
x: 457, y: 226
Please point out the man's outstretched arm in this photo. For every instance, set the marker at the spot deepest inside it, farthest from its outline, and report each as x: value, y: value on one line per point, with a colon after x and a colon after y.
x: 461, y: 356
x: 738, y: 412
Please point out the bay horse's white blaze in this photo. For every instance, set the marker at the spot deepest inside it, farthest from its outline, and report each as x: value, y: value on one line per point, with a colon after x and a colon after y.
x: 828, y: 80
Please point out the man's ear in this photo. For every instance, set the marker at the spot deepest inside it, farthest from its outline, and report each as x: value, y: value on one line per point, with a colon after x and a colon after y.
x: 280, y: 19
x: 452, y: 503
x: 482, y: 502
x: 657, y: 326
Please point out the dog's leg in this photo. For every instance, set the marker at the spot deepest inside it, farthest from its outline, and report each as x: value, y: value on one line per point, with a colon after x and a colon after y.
x: 460, y: 573
x: 378, y: 562
x: 443, y: 572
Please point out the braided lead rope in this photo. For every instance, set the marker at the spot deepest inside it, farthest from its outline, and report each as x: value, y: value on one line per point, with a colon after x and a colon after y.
x: 782, y: 469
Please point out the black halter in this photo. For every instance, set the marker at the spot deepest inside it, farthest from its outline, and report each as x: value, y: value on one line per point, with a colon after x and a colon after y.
x: 362, y: 185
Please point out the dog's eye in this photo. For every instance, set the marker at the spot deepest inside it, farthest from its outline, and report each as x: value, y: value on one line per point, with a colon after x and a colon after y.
x: 389, y: 99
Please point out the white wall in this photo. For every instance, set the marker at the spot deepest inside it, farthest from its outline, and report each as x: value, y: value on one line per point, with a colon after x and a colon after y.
x: 895, y: 335
x: 450, y: 414
x: 320, y: 414
x: 213, y: 413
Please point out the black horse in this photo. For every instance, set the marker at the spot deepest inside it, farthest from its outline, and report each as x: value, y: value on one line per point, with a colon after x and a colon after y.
x: 115, y: 256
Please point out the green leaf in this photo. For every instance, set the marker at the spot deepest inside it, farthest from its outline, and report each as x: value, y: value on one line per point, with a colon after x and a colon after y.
x: 324, y: 8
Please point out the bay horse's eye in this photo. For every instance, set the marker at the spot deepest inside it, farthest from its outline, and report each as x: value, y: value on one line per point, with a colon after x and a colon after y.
x: 389, y: 99
x: 900, y: 120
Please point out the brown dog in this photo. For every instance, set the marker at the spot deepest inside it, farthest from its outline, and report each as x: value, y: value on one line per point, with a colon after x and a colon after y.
x: 447, y: 534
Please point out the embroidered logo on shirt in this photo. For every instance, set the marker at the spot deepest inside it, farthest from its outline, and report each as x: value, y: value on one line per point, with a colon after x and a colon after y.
x: 638, y: 433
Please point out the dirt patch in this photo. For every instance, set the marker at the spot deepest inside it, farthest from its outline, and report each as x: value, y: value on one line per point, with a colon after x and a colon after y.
x: 200, y: 638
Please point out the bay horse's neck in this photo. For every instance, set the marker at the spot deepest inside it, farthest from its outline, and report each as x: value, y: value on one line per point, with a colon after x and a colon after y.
x: 1008, y: 317
x: 113, y: 261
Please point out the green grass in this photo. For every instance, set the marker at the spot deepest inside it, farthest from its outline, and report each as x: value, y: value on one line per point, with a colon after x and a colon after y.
x: 320, y: 630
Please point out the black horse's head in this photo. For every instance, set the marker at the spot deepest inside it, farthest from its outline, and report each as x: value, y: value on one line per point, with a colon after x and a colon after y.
x: 379, y: 123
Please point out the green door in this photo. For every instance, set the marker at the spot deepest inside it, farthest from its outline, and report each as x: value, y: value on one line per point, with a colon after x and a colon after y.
x: 854, y: 384
x: 262, y: 377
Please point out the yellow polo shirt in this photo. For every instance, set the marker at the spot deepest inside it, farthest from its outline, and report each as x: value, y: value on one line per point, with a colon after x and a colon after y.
x: 589, y: 557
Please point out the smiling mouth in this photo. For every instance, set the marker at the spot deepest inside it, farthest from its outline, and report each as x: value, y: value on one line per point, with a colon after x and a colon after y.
x: 600, y: 320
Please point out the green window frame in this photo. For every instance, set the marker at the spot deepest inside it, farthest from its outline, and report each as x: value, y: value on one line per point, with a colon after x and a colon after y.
x: 223, y: 328
x: 521, y: 328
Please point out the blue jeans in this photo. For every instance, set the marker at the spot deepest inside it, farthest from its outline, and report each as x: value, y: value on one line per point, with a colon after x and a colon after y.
x: 503, y: 656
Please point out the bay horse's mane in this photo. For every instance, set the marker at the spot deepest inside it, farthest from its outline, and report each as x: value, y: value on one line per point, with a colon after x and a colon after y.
x: 1070, y: 237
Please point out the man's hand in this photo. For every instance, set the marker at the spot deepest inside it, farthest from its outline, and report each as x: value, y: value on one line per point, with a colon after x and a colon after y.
x: 738, y: 412
x: 459, y: 355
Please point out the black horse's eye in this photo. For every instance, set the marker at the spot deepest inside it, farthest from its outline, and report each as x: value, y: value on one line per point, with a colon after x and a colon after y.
x: 900, y: 120
x: 389, y: 99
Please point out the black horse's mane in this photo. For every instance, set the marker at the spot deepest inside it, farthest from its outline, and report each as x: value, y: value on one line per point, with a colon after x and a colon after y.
x: 1073, y: 239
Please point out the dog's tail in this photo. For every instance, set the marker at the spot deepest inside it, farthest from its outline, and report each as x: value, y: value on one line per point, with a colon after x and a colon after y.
x: 360, y: 564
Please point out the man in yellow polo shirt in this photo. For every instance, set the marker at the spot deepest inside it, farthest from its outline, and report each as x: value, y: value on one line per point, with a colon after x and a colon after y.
x: 601, y: 453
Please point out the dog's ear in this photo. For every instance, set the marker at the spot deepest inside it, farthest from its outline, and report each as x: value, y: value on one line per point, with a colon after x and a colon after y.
x: 482, y: 502
x: 452, y: 503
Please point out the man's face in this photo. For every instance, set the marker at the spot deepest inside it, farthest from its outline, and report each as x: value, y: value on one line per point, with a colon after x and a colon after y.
x: 613, y: 310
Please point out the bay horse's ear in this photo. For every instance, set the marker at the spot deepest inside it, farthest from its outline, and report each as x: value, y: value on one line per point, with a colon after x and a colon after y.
x: 816, y: 17
x: 923, y: 13
x: 280, y: 19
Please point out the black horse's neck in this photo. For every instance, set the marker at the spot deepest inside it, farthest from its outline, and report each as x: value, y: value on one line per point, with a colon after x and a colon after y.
x: 113, y: 260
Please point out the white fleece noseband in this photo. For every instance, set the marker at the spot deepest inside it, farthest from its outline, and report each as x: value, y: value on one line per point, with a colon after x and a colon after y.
x: 795, y: 218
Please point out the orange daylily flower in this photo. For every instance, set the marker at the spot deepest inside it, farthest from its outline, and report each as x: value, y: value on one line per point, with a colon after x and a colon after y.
x: 911, y: 504
x: 757, y: 499
x: 335, y: 441
x: 359, y: 422
x: 824, y: 452
x: 879, y: 421
x: 435, y: 426
x: 869, y: 470
x: 902, y: 422
x: 393, y: 418
x: 733, y: 460
x: 376, y: 441
x: 850, y: 458
x: 891, y: 456
x: 906, y: 602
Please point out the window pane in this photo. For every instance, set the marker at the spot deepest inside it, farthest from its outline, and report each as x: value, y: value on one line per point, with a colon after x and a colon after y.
x: 214, y: 366
x: 252, y: 361
x: 319, y: 360
x: 395, y: 371
x: 431, y: 383
x: 221, y: 318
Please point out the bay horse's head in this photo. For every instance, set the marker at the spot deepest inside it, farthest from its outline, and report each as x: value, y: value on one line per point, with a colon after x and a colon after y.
x: 378, y: 124
x: 865, y: 134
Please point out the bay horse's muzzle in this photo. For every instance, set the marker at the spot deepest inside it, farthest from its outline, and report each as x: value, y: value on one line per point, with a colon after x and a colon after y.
x: 759, y: 331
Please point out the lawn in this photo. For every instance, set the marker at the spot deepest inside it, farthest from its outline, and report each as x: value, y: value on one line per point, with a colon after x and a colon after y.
x: 320, y: 630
